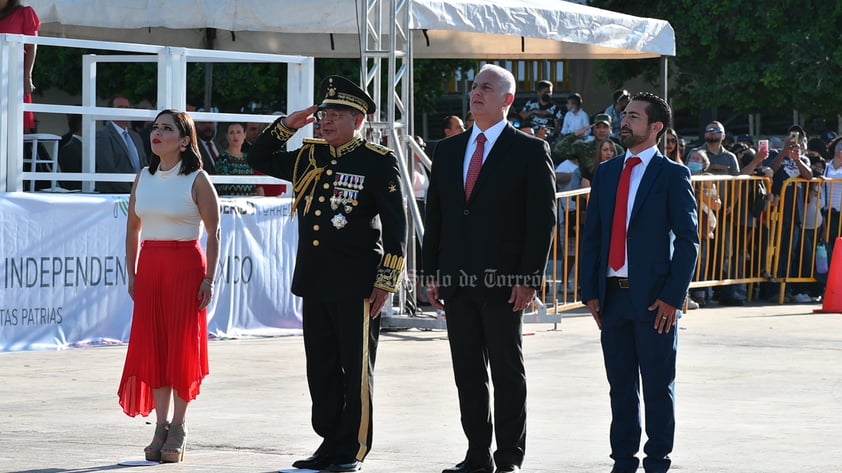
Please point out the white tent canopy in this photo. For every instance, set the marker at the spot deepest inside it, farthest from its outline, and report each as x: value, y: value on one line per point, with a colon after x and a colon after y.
x: 478, y: 29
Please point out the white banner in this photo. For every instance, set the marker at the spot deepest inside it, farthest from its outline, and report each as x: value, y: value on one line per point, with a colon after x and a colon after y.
x: 63, y: 270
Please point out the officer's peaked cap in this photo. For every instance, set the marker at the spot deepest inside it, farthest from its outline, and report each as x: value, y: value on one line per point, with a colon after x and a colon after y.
x: 340, y: 92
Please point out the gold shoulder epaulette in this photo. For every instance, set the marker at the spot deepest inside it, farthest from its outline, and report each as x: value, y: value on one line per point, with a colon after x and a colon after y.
x: 314, y: 141
x: 379, y: 149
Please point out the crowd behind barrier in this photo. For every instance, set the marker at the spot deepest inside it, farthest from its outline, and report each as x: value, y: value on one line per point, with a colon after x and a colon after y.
x: 759, y: 245
x: 806, y: 227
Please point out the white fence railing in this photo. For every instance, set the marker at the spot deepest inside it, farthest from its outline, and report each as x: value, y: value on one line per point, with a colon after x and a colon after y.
x: 172, y: 93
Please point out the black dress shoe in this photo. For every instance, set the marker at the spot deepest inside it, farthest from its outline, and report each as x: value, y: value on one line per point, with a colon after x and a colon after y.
x: 508, y: 469
x: 352, y: 465
x: 462, y: 467
x: 318, y: 461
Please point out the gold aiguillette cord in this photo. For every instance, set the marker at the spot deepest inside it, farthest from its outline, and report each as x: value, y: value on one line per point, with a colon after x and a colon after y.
x: 310, y: 178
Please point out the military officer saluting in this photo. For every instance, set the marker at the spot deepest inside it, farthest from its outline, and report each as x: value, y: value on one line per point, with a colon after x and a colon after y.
x: 349, y: 202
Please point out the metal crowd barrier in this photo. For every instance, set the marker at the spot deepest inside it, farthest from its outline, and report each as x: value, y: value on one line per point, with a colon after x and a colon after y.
x: 806, y: 222
x: 562, y: 291
x: 734, y: 243
x: 747, y: 236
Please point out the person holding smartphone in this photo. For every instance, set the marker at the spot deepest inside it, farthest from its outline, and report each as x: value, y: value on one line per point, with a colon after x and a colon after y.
x: 791, y: 163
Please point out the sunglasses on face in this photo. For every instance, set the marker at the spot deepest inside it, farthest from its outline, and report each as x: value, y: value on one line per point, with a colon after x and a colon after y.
x: 713, y: 130
x: 671, y: 140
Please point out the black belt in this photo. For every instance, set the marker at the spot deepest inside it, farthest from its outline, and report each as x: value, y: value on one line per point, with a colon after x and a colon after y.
x: 622, y: 283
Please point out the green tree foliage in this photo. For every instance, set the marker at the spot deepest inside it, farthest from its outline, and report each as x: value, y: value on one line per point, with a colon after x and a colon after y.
x: 432, y: 77
x: 235, y: 85
x: 747, y: 55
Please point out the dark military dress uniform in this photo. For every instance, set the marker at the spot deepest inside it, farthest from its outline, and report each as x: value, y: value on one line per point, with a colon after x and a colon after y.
x: 351, y: 229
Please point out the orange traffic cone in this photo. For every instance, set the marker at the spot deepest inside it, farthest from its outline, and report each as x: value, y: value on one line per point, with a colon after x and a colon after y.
x: 832, y: 302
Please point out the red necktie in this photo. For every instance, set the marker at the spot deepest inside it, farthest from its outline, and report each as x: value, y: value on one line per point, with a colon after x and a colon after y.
x: 475, y: 166
x: 617, y: 253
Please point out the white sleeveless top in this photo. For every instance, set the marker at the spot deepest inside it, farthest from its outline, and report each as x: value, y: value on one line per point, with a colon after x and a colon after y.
x: 164, y: 203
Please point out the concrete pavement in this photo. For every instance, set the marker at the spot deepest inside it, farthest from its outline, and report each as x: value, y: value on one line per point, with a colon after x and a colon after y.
x: 759, y: 391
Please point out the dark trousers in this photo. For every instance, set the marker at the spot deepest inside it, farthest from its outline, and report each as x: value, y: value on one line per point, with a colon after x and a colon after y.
x: 340, y: 340
x: 734, y: 245
x: 835, y: 231
x: 633, y: 351
x: 483, y: 333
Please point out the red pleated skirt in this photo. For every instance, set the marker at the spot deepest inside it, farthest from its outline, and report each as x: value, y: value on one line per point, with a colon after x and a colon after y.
x: 168, y: 345
x: 28, y: 117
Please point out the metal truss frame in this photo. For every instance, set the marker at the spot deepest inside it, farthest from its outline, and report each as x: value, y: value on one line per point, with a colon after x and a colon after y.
x: 385, y: 37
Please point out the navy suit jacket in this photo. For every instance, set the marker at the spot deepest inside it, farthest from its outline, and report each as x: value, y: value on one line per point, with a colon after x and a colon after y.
x: 501, y: 236
x: 665, y: 204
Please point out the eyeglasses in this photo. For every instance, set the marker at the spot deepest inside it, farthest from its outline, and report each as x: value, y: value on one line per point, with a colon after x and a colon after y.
x: 324, y: 115
x: 713, y: 130
x: 672, y: 140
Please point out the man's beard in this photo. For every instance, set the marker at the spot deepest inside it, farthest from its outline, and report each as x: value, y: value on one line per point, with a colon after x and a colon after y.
x: 631, y: 140
x: 546, y: 98
x: 712, y: 140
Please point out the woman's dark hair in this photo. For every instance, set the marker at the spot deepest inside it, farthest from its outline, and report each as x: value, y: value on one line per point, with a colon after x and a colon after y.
x: 10, y: 7
x: 242, y: 124
x: 191, y: 160
x: 224, y: 139
x: 676, y: 152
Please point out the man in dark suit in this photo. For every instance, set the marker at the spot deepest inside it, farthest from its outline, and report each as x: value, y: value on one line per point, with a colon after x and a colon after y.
x: 639, y: 252
x: 489, y: 223
x: 70, y: 154
x: 206, y: 133
x: 119, y: 149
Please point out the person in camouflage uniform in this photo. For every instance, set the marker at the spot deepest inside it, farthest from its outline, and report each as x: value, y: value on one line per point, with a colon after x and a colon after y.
x: 585, y: 151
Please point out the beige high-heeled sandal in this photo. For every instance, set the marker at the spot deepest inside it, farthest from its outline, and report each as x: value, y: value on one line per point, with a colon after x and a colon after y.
x: 176, y: 444
x: 153, y: 450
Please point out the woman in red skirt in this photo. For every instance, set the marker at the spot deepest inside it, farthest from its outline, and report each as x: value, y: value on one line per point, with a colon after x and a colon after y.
x: 171, y: 283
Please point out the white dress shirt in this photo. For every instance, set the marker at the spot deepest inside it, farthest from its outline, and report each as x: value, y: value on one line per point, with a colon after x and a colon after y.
x: 491, y: 134
x: 636, y: 176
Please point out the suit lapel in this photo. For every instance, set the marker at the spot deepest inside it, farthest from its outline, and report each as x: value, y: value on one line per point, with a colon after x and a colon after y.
x: 455, y: 162
x: 116, y: 135
x: 646, y: 184
x: 496, y: 156
x: 138, y: 145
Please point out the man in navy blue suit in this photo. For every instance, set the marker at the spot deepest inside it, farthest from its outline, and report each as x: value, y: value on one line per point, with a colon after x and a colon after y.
x: 639, y: 254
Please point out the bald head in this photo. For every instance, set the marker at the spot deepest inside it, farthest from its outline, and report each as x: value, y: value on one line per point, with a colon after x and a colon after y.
x: 453, y: 126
